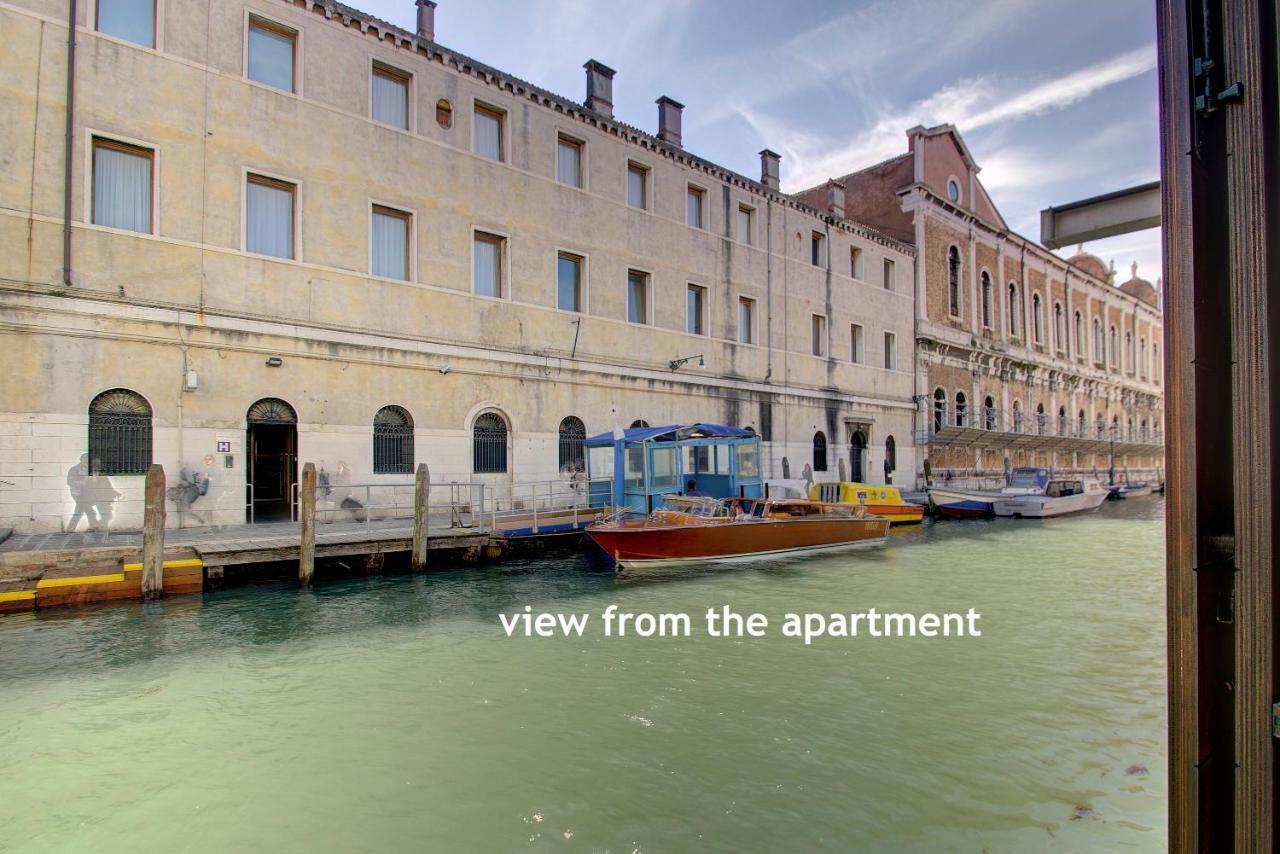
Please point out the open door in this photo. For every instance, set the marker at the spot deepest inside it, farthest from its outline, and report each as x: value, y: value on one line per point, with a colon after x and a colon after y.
x: 271, y: 454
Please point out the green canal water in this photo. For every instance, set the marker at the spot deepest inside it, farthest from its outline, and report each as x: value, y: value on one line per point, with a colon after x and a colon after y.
x: 393, y: 713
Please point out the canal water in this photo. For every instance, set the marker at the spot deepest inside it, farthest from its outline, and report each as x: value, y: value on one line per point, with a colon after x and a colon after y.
x: 393, y: 712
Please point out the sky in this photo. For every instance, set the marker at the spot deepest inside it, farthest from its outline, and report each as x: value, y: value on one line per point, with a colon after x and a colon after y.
x: 1057, y: 101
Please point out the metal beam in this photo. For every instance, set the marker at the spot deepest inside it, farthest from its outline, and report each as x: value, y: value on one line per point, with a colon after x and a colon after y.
x: 1101, y: 216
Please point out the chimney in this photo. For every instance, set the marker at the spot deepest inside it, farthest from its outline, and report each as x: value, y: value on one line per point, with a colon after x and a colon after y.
x: 769, y: 168
x: 835, y: 198
x: 669, y: 113
x: 426, y: 19
x: 599, y: 88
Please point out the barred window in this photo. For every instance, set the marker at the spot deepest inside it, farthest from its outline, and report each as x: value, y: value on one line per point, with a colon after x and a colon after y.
x: 489, y: 444
x: 119, y: 433
x: 573, y: 455
x: 819, y: 451
x: 392, y: 441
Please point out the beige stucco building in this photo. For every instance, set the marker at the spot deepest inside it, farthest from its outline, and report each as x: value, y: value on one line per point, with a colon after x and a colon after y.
x: 281, y: 222
x: 1024, y: 358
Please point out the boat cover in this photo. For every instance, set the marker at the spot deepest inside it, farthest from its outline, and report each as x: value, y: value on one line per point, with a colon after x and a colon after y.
x: 671, y: 433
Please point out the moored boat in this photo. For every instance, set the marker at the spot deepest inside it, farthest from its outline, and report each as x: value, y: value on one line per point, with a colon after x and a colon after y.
x: 698, y: 531
x: 1124, y: 491
x: 968, y: 503
x: 880, y: 499
x: 1060, y: 498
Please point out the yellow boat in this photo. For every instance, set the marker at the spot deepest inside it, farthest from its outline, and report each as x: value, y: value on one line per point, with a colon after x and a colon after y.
x: 879, y: 499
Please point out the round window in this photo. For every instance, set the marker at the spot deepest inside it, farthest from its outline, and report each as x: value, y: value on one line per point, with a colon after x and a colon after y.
x: 953, y: 190
x: 444, y: 114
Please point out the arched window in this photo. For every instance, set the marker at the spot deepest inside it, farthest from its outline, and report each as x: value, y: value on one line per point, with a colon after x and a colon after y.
x: 444, y: 113
x: 1083, y: 424
x: 1059, y: 334
x: 1115, y: 349
x: 1062, y: 421
x: 819, y: 451
x: 961, y: 408
x: 986, y: 300
x: 119, y: 433
x: 953, y: 280
x: 1079, y: 334
x: 1015, y: 324
x: 489, y: 444
x: 1101, y: 425
x: 1040, y: 419
x: 392, y: 441
x: 1128, y: 351
x: 1036, y: 318
x: 1115, y: 426
x: 1146, y: 434
x: 639, y: 422
x: 1129, y: 427
x: 1142, y: 356
x: 890, y: 454
x: 1099, y: 354
x: 573, y: 455
x: 939, y: 409
x: 989, y: 413
x: 1156, y: 366
x: 1017, y: 417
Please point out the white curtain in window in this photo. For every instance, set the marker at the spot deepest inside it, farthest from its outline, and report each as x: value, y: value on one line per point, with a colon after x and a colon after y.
x: 271, y: 58
x: 390, y: 101
x: 568, y: 168
x: 269, y: 220
x: 121, y: 189
x: 693, y: 209
x: 635, y: 188
x: 390, y: 245
x: 487, y: 129
x: 487, y: 268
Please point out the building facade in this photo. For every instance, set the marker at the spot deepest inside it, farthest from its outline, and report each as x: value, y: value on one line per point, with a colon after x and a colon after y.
x: 269, y: 232
x: 1023, y: 358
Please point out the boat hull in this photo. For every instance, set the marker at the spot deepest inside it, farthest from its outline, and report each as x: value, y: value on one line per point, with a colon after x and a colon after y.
x: 962, y: 505
x: 1043, y: 506
x: 683, y: 545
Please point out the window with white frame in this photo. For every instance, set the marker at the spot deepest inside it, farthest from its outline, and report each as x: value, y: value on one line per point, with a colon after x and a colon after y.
x: 890, y: 351
x: 131, y: 20
x: 569, y: 160
x: 637, y: 296
x: 888, y: 273
x: 270, y: 208
x: 855, y: 343
x: 273, y: 52
x: 122, y: 180
x: 694, y: 209
x: 818, y: 328
x: 486, y: 132
x: 817, y: 249
x: 696, y: 310
x: 638, y: 186
x: 746, y: 320
x: 487, y: 262
x: 855, y: 262
x: 389, y: 101
x: 746, y: 219
x: 569, y: 281
x: 390, y: 240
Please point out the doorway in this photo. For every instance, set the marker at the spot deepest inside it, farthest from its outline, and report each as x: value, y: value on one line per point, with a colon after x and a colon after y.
x: 271, y: 455
x: 858, y: 457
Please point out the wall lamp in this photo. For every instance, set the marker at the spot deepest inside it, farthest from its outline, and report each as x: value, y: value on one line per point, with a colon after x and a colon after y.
x: 677, y: 364
x: 274, y: 361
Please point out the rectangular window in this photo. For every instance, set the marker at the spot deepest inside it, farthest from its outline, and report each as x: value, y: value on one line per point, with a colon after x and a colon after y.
x: 890, y: 351
x: 745, y: 217
x: 269, y: 217
x: 817, y: 250
x: 390, y: 243
x: 693, y: 213
x: 819, y: 329
x: 746, y: 320
x: 695, y: 310
x: 569, y: 282
x: 272, y: 54
x: 888, y: 274
x: 131, y: 20
x: 390, y: 96
x: 855, y: 343
x: 569, y: 161
x: 855, y: 262
x: 122, y: 176
x: 637, y: 297
x: 486, y: 133
x: 487, y: 265
x: 637, y: 186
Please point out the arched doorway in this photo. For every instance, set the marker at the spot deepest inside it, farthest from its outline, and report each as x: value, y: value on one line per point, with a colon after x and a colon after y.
x: 857, y: 457
x: 271, y: 457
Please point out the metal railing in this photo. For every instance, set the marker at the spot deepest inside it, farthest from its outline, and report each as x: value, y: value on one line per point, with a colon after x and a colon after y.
x: 947, y: 415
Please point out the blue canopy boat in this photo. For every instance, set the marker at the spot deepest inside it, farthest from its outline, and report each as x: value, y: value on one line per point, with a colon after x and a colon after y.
x: 635, y: 468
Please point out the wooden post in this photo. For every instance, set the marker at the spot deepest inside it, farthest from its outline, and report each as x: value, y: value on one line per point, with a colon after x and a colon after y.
x: 421, y: 495
x: 307, y: 552
x: 153, y: 512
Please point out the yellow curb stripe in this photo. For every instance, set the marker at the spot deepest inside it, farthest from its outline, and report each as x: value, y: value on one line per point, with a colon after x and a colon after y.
x: 46, y: 583
x: 187, y: 563
x: 17, y: 595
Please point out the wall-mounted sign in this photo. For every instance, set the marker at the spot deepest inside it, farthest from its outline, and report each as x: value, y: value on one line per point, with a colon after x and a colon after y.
x: 224, y: 447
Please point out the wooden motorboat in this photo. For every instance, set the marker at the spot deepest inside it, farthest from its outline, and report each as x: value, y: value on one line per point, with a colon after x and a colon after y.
x: 880, y: 499
x: 1060, y: 498
x: 961, y: 503
x: 702, y: 531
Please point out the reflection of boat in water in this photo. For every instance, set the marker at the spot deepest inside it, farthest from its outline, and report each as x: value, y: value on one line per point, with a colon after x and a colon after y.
x: 882, y: 500
x: 704, y: 530
x: 1060, y: 498
x: 1123, y: 491
x: 979, y: 502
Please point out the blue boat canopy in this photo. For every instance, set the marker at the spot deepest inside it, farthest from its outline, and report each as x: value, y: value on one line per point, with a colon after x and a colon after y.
x: 671, y: 433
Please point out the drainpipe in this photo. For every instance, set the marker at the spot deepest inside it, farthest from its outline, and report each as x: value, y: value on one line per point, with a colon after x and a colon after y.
x: 68, y: 145
x: 768, y: 285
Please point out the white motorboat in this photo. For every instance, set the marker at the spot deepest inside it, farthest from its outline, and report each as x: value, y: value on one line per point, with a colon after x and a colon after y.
x: 960, y: 503
x: 1060, y: 498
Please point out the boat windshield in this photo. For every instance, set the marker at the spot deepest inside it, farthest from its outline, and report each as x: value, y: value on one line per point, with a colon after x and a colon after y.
x: 693, y: 505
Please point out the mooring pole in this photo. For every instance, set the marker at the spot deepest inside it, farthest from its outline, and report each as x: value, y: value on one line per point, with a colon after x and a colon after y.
x: 307, y: 552
x: 421, y: 495
x: 153, y: 533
